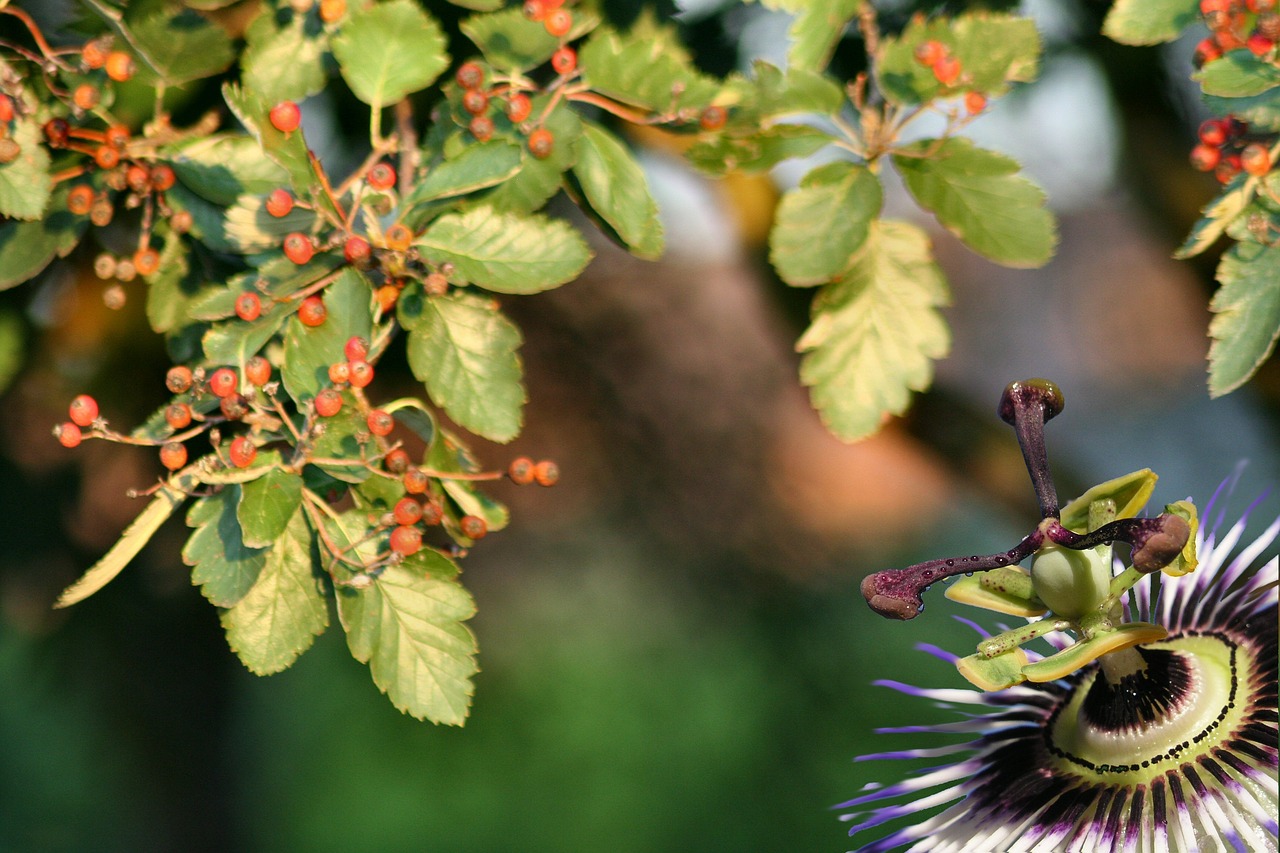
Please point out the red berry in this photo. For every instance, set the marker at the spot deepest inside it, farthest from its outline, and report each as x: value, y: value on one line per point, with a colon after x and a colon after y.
x: 285, y: 116
x: 432, y: 512
x: 116, y: 136
x: 406, y: 540
x: 1259, y: 45
x: 475, y: 101
x: 415, y: 481
x: 298, y: 248
x: 106, y: 157
x: 7, y: 112
x: 173, y: 455
x: 541, y: 143
x: 361, y: 373
x: 975, y: 102
x: 163, y: 177
x: 473, y: 526
x: 381, y: 177
x: 339, y: 373
x: 380, y: 422
x: 1254, y: 159
x: 258, y: 371
x: 1206, y: 51
x: 178, y: 379
x: 80, y: 199
x: 57, y: 132
x: 481, y: 128
x: 535, y: 10
x: 397, y: 461
x: 470, y: 75
x: 242, y: 451
x: 279, y: 202
x: 947, y: 70
x: 83, y: 410
x: 68, y: 434
x: 178, y: 415
x: 328, y: 403
x: 521, y: 470
x: 248, y: 306
x: 1208, y: 7
x: 356, y: 348
x: 312, y: 311
x: 356, y: 250
x: 137, y: 177
x: 546, y: 473
x: 518, y: 108
x: 1213, y: 132
x: 223, y: 382
x: 407, y: 511
x: 1228, y: 168
x: 558, y: 22
x: 564, y: 60
x: 713, y: 118
x: 120, y: 66
x: 146, y: 261
x: 1205, y: 157
x: 928, y: 53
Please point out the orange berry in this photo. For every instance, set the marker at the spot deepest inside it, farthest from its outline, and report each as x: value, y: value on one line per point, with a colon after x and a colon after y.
x: 713, y: 118
x: 173, y: 455
x: 356, y: 250
x: 162, y: 177
x: 298, y: 248
x: 381, y: 177
x: 279, y: 202
x: 332, y: 11
x: 339, y: 373
x: 558, y: 22
x: 380, y: 423
x: 80, y: 199
x: 223, y: 383
x: 94, y: 54
x: 473, y: 526
x: 86, y: 96
x: 415, y: 481
x: 328, y: 403
x: 481, y: 128
x: 178, y: 379
x: 106, y: 157
x: 361, y: 373
x: 248, y: 306
x: 146, y: 261
x: 975, y: 102
x: 312, y: 311
x: 518, y: 108
x: 947, y: 70
x: 546, y: 473
x: 83, y: 410
x: 258, y: 371
x: 285, y: 116
x: 355, y: 348
x: 243, y: 451
x: 1255, y: 159
x: 398, y: 238
x: 928, y: 53
x: 120, y: 66
x: 475, y: 101
x: 521, y: 470
x: 406, y: 540
x: 541, y: 143
x: 470, y: 75
x: 535, y: 10
x: 178, y: 415
x: 407, y: 511
x: 564, y: 60
x: 397, y: 461
x: 68, y: 434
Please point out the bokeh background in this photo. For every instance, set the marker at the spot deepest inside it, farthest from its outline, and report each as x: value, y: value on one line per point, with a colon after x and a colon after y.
x: 675, y: 656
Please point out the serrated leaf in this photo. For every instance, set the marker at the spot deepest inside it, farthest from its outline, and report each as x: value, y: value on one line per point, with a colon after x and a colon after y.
x: 776, y: 93
x: 646, y: 67
x: 266, y: 505
x: 284, y: 62
x: 820, y: 224
x: 25, y: 185
x: 1246, y: 320
x: 236, y: 341
x: 510, y: 42
x: 285, y: 610
x: 506, y: 252
x: 464, y: 349
x: 614, y: 185
x: 993, y: 50
x: 759, y: 150
x: 180, y: 46
x: 815, y: 32
x: 224, y: 167
x: 223, y: 566
x: 1238, y: 74
x: 1144, y: 22
x: 979, y: 196
x: 388, y: 51
x: 408, y: 627
x: 1217, y: 215
x: 309, y: 350
x: 475, y: 168
x: 876, y: 332
x: 251, y: 229
x: 135, y: 536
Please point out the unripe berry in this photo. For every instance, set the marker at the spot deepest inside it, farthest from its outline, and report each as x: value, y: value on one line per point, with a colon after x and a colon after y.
x: 518, y: 108
x: 407, y: 511
x: 125, y: 270
x: 356, y: 250
x: 481, y: 128
x: 380, y: 423
x: 80, y: 199
x: 361, y: 373
x: 339, y: 373
x: 173, y: 455
x: 120, y: 66
x: 397, y: 461
x: 928, y: 53
x: 435, y: 284
x: 541, y: 143
x: 546, y: 473
x: 381, y: 176
x: 355, y: 348
x: 285, y: 116
x: 473, y: 526
x: 104, y: 266
x: 328, y: 403
x: 68, y: 434
x: 162, y: 177
x: 415, y: 481
x: 947, y: 70
x: 1205, y: 157
x: 9, y: 150
x: 1254, y: 159
x: 114, y: 297
x: 248, y: 306
x: 101, y: 214
x: 258, y: 371
x: 312, y: 311
x: 223, y: 383
x: 279, y: 202
x: 470, y: 75
x: 406, y: 540
x: 178, y: 415
x: 146, y: 261
x: 242, y: 451
x: 713, y: 118
x: 83, y: 410
x: 565, y: 59
x: 178, y: 379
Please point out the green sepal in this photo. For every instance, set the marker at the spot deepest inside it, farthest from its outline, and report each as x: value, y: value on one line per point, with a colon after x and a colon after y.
x: 1130, y: 493
x: 995, y: 673
x: 1006, y: 590
x: 1074, y: 657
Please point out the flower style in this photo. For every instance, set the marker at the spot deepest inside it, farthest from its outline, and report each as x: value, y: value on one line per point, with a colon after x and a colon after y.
x: 1166, y: 743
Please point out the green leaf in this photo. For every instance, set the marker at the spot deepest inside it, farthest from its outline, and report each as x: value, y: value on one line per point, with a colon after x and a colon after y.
x: 994, y: 51
x: 875, y: 333
x: 776, y: 93
x: 464, y: 349
x: 25, y: 185
x: 1239, y: 74
x: 249, y: 228
x: 475, y: 168
x: 1259, y: 112
x: 1217, y: 215
x: 978, y: 196
x: 510, y: 42
x: 12, y: 346
x: 759, y: 150
x: 447, y: 454
x: 412, y: 413
x: 1142, y: 22
x: 223, y: 167
x: 646, y: 67
x: 538, y: 180
x: 284, y: 62
x: 266, y: 505
x: 171, y: 290
x: 820, y: 224
x: 26, y: 248
x: 1246, y: 318
x: 614, y: 185
x: 224, y: 567
x: 309, y: 350
x: 180, y: 47
x: 816, y: 30
x: 408, y: 627
x: 285, y: 610
x: 235, y: 341
x: 346, y: 441
x: 388, y: 51
x: 506, y: 252
x: 135, y: 536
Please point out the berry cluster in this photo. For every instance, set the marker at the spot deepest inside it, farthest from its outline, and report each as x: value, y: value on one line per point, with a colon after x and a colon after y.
x: 948, y: 71
x: 1235, y: 24
x: 1226, y: 149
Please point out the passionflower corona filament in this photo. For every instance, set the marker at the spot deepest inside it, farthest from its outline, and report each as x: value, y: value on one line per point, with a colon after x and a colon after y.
x: 1150, y: 724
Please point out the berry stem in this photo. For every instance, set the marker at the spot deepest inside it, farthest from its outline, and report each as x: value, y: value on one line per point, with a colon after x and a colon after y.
x: 36, y: 35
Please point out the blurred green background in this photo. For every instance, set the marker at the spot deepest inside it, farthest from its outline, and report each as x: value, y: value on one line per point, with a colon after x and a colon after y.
x: 674, y: 652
